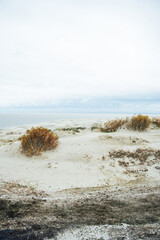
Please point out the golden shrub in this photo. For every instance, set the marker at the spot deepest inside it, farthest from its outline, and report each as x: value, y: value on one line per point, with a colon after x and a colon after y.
x: 37, y: 140
x: 139, y: 123
x: 156, y: 121
x: 113, y: 125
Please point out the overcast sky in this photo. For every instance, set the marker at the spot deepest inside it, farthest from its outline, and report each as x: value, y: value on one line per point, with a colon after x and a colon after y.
x: 54, y: 52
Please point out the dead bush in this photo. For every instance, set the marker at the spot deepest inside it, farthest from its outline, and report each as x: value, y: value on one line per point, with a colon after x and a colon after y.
x: 37, y: 140
x: 139, y: 123
x: 156, y: 121
x: 113, y: 125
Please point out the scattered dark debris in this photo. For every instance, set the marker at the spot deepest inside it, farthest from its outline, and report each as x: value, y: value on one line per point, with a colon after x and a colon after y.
x: 7, y: 141
x: 21, y: 190
x: 157, y: 167
x: 122, y: 163
x: 130, y: 171
x: 139, y: 154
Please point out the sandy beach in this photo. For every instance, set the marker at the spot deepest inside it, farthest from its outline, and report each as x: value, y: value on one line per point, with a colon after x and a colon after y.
x: 80, y: 120
x: 94, y: 180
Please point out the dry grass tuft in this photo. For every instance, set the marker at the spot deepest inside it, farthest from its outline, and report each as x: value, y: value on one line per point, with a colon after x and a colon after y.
x: 37, y: 140
x: 139, y: 123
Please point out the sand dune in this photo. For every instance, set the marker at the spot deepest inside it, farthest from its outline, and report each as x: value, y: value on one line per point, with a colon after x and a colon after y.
x: 84, y: 162
x: 81, y: 160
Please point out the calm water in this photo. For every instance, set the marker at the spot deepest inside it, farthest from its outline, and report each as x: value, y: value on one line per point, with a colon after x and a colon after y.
x: 14, y: 120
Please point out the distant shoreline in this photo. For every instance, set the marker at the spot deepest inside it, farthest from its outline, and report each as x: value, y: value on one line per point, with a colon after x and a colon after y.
x: 9, y: 120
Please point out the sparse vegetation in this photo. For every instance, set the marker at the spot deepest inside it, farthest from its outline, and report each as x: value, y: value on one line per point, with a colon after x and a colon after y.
x: 156, y: 121
x: 21, y: 190
x: 37, y: 140
x: 94, y: 128
x: 139, y: 123
x: 139, y: 154
x: 7, y: 141
x: 72, y: 129
x: 113, y: 125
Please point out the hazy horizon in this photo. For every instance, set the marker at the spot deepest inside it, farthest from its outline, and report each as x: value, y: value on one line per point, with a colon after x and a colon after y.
x: 93, y: 106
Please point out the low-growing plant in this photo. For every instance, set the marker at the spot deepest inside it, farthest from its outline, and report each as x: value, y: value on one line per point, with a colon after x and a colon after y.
x: 113, y: 125
x: 139, y: 154
x: 96, y: 127
x: 139, y: 123
x: 37, y: 140
x: 73, y: 129
x: 156, y: 121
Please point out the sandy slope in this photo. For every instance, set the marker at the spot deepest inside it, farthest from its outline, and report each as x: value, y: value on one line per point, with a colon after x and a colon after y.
x: 81, y: 160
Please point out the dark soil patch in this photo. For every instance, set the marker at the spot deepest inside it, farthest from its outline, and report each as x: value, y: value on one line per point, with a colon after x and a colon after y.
x: 36, y: 219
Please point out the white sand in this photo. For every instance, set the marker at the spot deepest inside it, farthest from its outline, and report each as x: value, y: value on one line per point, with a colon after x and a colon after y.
x: 101, y: 232
x: 80, y: 160
x: 89, y: 232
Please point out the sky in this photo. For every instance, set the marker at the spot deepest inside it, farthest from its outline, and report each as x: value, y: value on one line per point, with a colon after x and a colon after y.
x: 80, y: 56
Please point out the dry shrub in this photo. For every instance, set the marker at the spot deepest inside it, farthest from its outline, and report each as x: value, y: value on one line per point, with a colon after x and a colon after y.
x: 37, y: 140
x: 113, y: 125
x: 139, y: 123
x: 156, y: 121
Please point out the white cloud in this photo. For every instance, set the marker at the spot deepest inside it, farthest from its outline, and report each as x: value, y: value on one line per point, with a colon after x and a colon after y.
x: 54, y: 50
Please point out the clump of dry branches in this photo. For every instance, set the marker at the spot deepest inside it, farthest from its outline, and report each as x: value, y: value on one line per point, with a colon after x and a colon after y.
x: 113, y: 125
x: 37, y: 140
x: 139, y: 123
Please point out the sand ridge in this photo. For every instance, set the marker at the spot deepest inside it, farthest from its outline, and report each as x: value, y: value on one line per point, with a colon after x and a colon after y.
x: 81, y: 160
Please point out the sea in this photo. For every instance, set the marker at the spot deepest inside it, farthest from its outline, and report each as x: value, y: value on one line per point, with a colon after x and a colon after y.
x: 9, y: 120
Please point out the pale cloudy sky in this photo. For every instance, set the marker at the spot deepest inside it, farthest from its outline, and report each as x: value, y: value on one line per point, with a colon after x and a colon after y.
x: 75, y: 54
